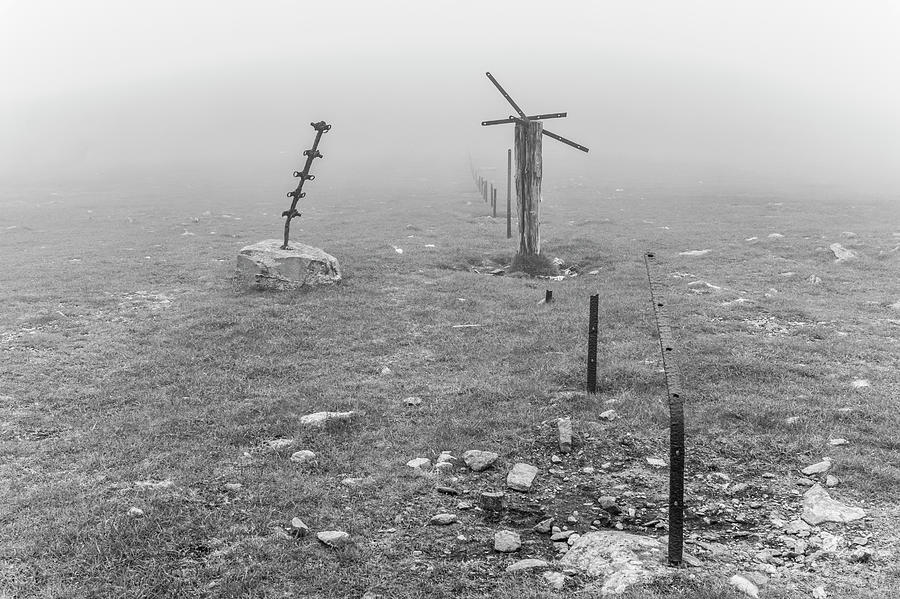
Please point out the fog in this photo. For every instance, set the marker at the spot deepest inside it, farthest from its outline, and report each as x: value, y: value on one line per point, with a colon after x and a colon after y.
x: 802, y: 92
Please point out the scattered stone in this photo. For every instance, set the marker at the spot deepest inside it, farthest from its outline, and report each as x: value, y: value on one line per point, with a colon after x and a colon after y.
x: 744, y: 585
x: 446, y: 458
x: 561, y: 547
x: 738, y: 488
x: 841, y: 254
x: 446, y: 490
x: 556, y: 459
x: 621, y: 558
x: 796, y: 527
x: 465, y: 505
x: 157, y: 485
x: 656, y: 462
x: 527, y: 564
x: 818, y: 468
x: 564, y: 427
x: 814, y: 280
x: 562, y: 535
x: 352, y: 481
x: 385, y: 371
x: 299, y: 527
x: 775, y: 236
x: 805, y: 482
x: 860, y: 540
x: 832, y: 481
x: 848, y: 235
x: 443, y: 519
x: 265, y: 266
x: 507, y: 541
x: 479, y: 460
x: 333, y: 538
x: 280, y: 445
x: 543, y: 527
x: 861, y: 555
x: 819, y: 592
x: 836, y: 442
x: 691, y: 560
x: 818, y: 507
x: 608, y: 503
x: 703, y: 287
x: 321, y: 418
x: 609, y: 415
x: 556, y: 580
x: 233, y: 487
x: 521, y: 477
x: 135, y: 512
x: 572, y: 538
x: 419, y: 463
x: 791, y: 420
x: 694, y: 253
x: 413, y: 401
x: 303, y: 456
x: 587, y: 470
x: 860, y: 384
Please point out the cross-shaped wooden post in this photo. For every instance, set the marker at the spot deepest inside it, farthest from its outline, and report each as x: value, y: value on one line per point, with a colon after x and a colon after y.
x: 529, y: 170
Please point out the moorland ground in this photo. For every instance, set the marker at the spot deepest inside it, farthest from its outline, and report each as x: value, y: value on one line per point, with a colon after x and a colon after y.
x: 127, y: 357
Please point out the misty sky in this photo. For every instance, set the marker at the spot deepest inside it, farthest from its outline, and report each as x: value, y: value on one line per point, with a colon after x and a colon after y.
x: 803, y: 90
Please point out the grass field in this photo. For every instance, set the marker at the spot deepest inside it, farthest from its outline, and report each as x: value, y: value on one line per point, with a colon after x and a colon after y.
x: 127, y: 357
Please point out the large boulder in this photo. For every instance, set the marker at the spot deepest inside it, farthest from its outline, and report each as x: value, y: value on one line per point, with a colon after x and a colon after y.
x: 621, y: 559
x: 265, y: 265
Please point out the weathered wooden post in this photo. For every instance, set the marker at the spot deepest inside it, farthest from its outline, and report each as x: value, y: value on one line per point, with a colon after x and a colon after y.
x: 529, y: 132
x: 509, y: 193
x: 528, y: 186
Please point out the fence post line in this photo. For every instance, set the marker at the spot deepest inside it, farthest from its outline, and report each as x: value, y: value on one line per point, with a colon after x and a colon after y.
x: 593, y: 316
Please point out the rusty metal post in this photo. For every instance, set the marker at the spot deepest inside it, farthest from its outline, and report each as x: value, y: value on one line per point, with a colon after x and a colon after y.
x: 321, y: 127
x: 593, y: 327
x: 676, y: 414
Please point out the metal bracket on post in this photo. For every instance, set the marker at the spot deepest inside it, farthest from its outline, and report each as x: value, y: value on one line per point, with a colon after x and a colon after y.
x: 676, y: 414
x: 321, y: 127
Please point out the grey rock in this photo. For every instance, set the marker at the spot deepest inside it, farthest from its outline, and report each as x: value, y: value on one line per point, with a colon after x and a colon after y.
x: 556, y: 580
x: 744, y: 585
x: 521, y: 477
x: 564, y: 428
x: 609, y: 415
x: 818, y: 507
x: 608, y: 503
x: 527, y: 564
x: 333, y: 538
x: 621, y: 559
x: 562, y: 535
x: 861, y: 555
x: 818, y: 468
x: 832, y: 481
x: 413, y: 401
x: 265, y: 266
x: 656, y: 462
x: 543, y: 527
x: 299, y: 527
x: 478, y: 460
x: 135, y: 512
x: 303, y: 456
x: 507, y: 541
x: 841, y: 254
x: 322, y: 418
x: 280, y: 445
x: 443, y: 519
x: 419, y: 463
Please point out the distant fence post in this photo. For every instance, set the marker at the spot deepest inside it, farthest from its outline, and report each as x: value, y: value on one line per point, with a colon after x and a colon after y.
x: 509, y: 193
x: 593, y: 315
x: 676, y: 415
x: 493, y: 201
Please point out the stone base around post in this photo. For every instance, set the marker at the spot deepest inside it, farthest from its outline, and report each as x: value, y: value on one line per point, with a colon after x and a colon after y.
x: 265, y: 266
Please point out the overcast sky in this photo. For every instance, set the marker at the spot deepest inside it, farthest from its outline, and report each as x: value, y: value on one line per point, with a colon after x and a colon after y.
x: 806, y: 90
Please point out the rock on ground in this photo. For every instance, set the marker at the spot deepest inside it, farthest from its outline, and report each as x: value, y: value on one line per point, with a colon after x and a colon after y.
x: 694, y: 253
x: 818, y: 507
x: 280, y: 444
x: 303, y: 456
x: 443, y: 519
x: 507, y: 541
x: 527, y: 564
x: 265, y: 265
x: 521, y: 477
x: 841, y: 254
x: 419, y: 463
x: 333, y: 538
x: 321, y: 418
x: 299, y: 527
x: 818, y: 468
x: 556, y: 580
x: 479, y: 460
x: 744, y: 585
x: 609, y: 415
x: 622, y: 559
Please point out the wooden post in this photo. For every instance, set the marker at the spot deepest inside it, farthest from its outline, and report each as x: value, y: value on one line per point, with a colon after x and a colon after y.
x: 528, y: 186
x: 508, y: 193
x: 493, y: 201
